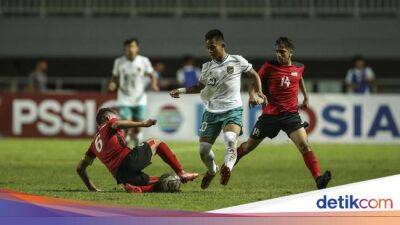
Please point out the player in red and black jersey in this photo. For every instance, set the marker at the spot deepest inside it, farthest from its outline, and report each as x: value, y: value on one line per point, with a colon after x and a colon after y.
x: 282, y: 78
x: 125, y: 164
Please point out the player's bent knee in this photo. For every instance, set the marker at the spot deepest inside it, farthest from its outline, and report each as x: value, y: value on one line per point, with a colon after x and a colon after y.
x: 157, y: 141
x: 230, y: 137
x: 205, y: 148
x: 205, y: 152
x: 153, y: 142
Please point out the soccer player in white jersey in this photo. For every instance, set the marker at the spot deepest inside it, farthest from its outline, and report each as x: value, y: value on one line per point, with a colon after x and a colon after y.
x: 128, y: 76
x: 219, y: 86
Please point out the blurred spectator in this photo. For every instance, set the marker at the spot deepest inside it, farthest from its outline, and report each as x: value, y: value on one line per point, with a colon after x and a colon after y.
x: 361, y: 78
x: 38, y: 77
x: 159, y: 69
x: 188, y: 75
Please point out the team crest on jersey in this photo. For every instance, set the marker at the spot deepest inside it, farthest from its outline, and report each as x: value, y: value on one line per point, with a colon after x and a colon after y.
x: 139, y: 69
x: 229, y: 69
x: 294, y: 73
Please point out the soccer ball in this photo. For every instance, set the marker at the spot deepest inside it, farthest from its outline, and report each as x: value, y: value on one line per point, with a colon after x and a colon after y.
x: 169, y: 183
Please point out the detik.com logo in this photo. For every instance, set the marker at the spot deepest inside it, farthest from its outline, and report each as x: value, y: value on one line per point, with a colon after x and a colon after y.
x: 351, y: 202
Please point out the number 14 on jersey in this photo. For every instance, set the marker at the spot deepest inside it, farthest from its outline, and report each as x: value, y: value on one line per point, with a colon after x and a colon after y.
x: 285, y: 81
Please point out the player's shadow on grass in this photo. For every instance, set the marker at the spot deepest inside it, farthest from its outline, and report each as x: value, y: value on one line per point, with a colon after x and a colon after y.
x: 201, y: 192
x: 80, y: 191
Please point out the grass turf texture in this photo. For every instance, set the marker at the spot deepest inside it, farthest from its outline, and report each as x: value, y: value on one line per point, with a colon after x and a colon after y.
x: 47, y: 167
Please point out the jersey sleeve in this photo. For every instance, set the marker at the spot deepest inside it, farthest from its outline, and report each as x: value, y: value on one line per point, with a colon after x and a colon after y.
x: 203, y: 73
x: 369, y: 74
x: 115, y: 68
x: 348, y: 77
x: 111, y: 122
x: 264, y: 69
x: 107, y: 131
x: 148, y: 68
x: 245, y: 66
x: 180, y: 77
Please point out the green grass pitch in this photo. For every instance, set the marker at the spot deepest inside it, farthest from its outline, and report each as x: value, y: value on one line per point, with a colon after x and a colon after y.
x: 47, y: 167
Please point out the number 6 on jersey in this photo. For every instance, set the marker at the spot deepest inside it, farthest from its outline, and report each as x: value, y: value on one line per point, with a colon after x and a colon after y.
x: 99, y: 143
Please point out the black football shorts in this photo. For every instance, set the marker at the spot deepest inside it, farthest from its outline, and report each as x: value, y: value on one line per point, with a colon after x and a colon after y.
x: 130, y: 170
x: 270, y: 125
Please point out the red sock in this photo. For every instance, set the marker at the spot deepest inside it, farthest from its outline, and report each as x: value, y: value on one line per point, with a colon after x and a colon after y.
x: 312, y: 163
x: 240, y: 153
x: 169, y: 157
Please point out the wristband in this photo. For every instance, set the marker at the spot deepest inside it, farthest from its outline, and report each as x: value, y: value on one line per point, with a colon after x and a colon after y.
x: 181, y: 90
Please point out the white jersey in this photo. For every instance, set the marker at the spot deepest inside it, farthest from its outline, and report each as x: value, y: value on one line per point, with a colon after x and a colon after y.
x: 222, y: 83
x: 367, y: 72
x: 132, y: 82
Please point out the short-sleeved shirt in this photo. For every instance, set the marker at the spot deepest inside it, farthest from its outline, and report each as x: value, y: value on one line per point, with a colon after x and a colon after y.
x: 222, y: 81
x: 361, y: 77
x: 188, y: 76
x: 38, y: 80
x: 281, y: 86
x: 131, y: 78
x: 109, y: 146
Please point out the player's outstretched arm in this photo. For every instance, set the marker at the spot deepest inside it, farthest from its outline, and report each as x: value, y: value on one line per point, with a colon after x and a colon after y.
x: 257, y: 83
x: 81, y: 170
x: 305, y: 94
x: 191, y: 90
x: 254, y: 99
x: 126, y: 124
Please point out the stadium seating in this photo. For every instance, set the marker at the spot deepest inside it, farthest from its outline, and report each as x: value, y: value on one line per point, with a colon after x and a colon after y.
x: 222, y: 8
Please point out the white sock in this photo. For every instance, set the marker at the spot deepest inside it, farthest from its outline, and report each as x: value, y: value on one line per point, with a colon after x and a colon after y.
x: 230, y: 139
x: 207, y: 156
x: 137, y: 139
x: 127, y: 136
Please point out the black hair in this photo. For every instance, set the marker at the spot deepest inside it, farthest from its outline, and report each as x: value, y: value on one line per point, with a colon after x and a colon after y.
x: 130, y: 40
x: 102, y: 114
x: 285, y: 41
x: 214, y: 34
